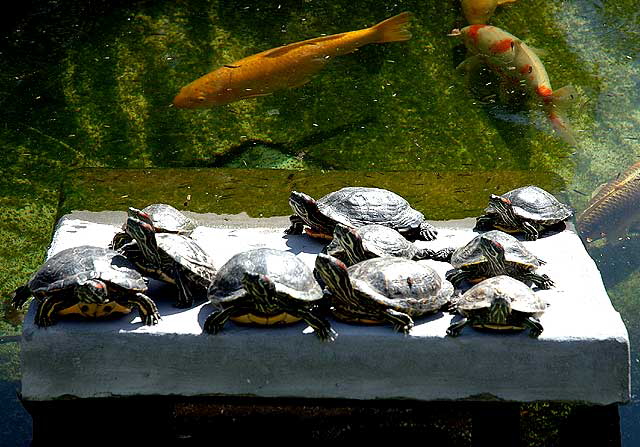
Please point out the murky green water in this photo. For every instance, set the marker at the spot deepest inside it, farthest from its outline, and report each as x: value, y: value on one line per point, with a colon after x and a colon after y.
x: 89, y: 84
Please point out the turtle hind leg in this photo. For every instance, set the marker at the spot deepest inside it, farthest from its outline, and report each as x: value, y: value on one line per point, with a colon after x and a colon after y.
x: 20, y: 296
x: 542, y: 281
x: 535, y: 328
x: 443, y: 255
x: 146, y: 308
x: 401, y: 322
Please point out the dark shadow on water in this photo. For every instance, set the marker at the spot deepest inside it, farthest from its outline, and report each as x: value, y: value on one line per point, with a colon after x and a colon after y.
x: 15, y: 423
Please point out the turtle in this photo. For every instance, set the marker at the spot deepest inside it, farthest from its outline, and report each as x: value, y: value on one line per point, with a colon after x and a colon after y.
x: 355, y: 206
x: 353, y: 245
x: 170, y: 257
x: 499, y: 303
x: 89, y: 281
x: 164, y: 218
x: 383, y: 290
x: 266, y: 286
x: 495, y: 253
x: 530, y: 210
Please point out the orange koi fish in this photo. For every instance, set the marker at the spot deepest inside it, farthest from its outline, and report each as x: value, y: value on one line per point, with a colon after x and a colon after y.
x: 479, y: 11
x: 284, y: 67
x: 512, y: 59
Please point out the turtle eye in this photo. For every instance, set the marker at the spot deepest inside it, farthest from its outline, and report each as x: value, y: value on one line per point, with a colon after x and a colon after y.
x: 84, y: 308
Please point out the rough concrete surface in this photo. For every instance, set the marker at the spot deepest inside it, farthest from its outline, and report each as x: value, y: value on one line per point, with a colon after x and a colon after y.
x: 581, y: 356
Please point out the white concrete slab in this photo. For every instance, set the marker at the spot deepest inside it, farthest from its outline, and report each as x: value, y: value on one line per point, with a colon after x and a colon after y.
x: 582, y: 355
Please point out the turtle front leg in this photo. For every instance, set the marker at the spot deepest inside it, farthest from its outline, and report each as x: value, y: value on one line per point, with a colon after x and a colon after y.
x: 297, y: 225
x: 20, y: 296
x: 217, y: 319
x: 427, y: 231
x: 530, y: 231
x: 46, y: 315
x: 456, y: 327
x: 321, y: 326
x: 484, y: 223
x: 456, y: 277
x: 542, y: 281
x: 147, y: 308
x: 185, y: 294
x: 401, y: 322
x: 535, y: 328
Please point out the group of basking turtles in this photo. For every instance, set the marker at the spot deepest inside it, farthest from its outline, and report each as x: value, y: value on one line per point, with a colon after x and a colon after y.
x: 370, y: 271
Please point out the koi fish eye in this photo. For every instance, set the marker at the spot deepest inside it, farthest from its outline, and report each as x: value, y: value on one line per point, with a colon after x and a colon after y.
x: 200, y: 99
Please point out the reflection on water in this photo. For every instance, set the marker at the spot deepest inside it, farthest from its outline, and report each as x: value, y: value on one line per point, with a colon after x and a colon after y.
x: 91, y: 85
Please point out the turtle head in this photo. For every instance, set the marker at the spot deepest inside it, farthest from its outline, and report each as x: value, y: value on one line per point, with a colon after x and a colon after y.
x: 498, y: 204
x: 145, y: 235
x: 261, y: 289
x: 499, y: 311
x: 304, y: 206
x: 335, y: 275
x: 92, y: 291
x: 351, y: 242
x: 493, y: 251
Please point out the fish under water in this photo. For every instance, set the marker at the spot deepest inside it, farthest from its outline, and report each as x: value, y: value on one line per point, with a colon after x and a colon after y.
x: 613, y: 208
x: 514, y: 60
x: 284, y: 67
x: 480, y: 11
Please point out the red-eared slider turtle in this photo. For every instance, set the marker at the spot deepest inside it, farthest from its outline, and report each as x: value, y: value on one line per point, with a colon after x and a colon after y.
x: 265, y: 286
x: 499, y: 303
x: 383, y: 290
x: 529, y: 210
x: 173, y: 258
x: 164, y: 219
x: 353, y: 245
x: 495, y: 253
x: 355, y: 207
x: 88, y: 281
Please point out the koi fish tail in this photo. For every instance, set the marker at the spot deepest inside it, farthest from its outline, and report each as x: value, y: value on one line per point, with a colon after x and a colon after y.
x: 562, y: 99
x: 394, y: 29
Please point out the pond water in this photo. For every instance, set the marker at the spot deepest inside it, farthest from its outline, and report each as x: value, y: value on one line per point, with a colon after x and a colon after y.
x: 90, y: 84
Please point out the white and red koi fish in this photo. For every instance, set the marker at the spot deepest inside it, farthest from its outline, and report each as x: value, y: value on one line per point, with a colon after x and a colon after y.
x: 284, y: 67
x: 512, y: 59
x: 479, y: 11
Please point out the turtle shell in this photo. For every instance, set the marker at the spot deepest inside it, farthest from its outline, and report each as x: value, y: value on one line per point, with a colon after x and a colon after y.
x: 379, y: 240
x: 520, y: 296
x: 290, y: 275
x: 536, y: 204
x: 167, y: 219
x: 515, y: 251
x: 187, y: 253
x: 76, y: 265
x: 358, y: 206
x: 409, y: 286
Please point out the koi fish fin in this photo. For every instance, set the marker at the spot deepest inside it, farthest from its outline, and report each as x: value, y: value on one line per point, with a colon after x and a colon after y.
x: 565, y: 97
x: 562, y: 128
x: 276, y: 52
x: 470, y: 64
x: 538, y: 51
x: 394, y: 29
x: 301, y: 83
x: 254, y: 95
x: 502, y: 2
